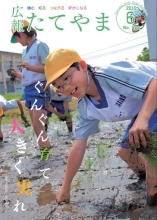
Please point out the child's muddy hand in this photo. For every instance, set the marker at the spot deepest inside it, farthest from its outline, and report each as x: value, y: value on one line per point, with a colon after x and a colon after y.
x: 63, y: 197
x: 11, y: 72
x: 139, y: 133
x: 24, y: 65
x: 62, y: 117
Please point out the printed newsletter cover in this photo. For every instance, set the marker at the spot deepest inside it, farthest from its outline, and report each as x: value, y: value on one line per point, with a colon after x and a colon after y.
x: 35, y: 140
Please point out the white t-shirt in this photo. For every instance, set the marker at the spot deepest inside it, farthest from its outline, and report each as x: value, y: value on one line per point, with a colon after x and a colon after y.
x: 122, y: 87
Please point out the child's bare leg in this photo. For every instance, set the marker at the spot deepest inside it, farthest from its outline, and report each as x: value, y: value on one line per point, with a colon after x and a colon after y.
x: 1, y: 134
x: 139, y: 164
x: 46, y: 124
x: 135, y: 161
x: 23, y: 117
x: 151, y: 184
x: 38, y: 120
x: 20, y: 106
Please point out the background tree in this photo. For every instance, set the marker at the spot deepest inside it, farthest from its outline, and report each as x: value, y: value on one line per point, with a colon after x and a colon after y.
x: 144, y: 56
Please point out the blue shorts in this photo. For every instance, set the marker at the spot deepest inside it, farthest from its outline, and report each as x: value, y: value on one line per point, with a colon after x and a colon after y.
x: 35, y: 96
x: 59, y: 107
x: 152, y: 125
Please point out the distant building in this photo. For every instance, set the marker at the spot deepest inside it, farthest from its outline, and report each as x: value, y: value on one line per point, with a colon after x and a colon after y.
x: 7, y: 60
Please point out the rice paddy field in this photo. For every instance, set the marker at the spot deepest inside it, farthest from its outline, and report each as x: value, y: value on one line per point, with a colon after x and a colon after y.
x: 104, y: 188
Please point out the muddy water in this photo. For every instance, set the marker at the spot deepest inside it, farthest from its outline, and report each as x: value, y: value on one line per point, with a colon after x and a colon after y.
x: 104, y: 187
x: 45, y: 195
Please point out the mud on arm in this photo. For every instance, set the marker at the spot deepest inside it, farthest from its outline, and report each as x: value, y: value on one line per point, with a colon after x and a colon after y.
x: 139, y: 130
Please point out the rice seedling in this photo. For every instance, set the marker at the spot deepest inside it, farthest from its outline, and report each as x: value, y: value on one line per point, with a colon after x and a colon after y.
x: 55, y: 118
x: 29, y: 132
x: 102, y: 149
x: 14, y: 152
x: 57, y: 132
x: 149, y: 151
x: 88, y: 163
x: 68, y: 115
x: 82, y: 179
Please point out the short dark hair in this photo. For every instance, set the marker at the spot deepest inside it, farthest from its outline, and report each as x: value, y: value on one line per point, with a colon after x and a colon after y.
x: 30, y: 33
x: 89, y: 67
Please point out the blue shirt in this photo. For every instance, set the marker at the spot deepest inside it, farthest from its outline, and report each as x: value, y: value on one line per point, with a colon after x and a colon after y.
x: 35, y: 55
x: 122, y: 87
